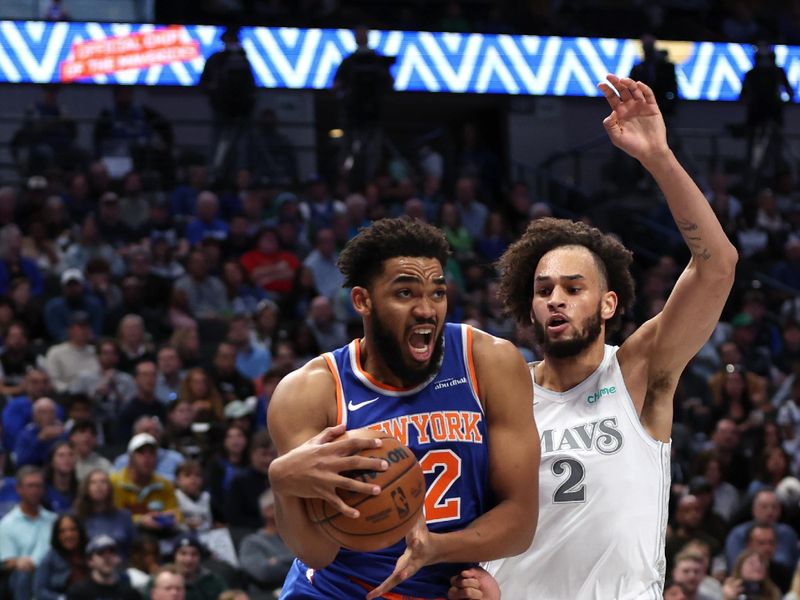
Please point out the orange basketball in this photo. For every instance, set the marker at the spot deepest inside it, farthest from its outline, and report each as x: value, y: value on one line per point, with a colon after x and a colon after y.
x: 386, y: 518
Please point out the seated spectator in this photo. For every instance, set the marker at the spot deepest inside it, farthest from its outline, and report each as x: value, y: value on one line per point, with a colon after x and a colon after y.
x: 205, y: 294
x: 766, y: 511
x: 59, y: 476
x: 99, y: 283
x: 688, y: 526
x: 40, y: 436
x: 243, y: 297
x: 264, y: 556
x: 167, y: 461
x: 25, y: 533
x: 774, y: 466
x: 201, y: 392
x: 724, y: 445
x: 104, y: 580
x: 143, y: 404
x: 193, y: 500
x: 67, y: 360
x: 90, y: 246
x: 136, y: 300
x: 18, y: 410
x: 145, y: 563
x: 65, y: 562
x: 83, y: 439
x: 688, y: 573
x: 241, y: 508
x: 270, y: 267
x: 45, y: 251
x: 321, y: 261
x: 750, y: 573
x: 16, y: 358
x: 168, y: 584
x: 134, y: 205
x: 232, y: 461
x: 170, y: 374
x: 710, y: 587
x: 265, y: 321
x: 27, y: 309
x: 13, y: 264
x: 495, y: 240
x: 231, y: 381
x: 133, y: 345
x: 206, y: 223
x: 163, y: 246
x: 8, y: 487
x: 110, y: 388
x: 149, y: 497
x: 726, y: 497
x: 328, y: 332
x: 59, y: 311
x: 201, y: 584
x: 241, y: 413
x: 252, y: 360
x: 94, y: 506
x: 762, y: 539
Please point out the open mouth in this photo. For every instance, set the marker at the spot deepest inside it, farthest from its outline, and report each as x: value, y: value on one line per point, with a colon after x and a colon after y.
x: 557, y: 323
x: 420, y: 342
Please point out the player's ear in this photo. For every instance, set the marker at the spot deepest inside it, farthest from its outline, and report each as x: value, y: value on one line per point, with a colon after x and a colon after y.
x: 361, y: 300
x: 608, y: 305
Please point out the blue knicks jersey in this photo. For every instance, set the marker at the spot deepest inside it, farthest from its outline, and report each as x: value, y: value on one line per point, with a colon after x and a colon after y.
x: 442, y: 422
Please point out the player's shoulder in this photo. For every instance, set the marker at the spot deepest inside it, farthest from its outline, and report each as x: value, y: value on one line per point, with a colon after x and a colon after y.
x: 490, y: 347
x: 308, y: 388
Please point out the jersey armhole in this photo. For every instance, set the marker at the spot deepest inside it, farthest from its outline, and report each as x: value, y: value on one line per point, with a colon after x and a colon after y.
x: 467, y: 336
x: 341, y: 413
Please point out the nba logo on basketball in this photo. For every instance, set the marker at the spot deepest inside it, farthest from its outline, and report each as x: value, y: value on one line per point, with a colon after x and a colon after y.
x: 400, y: 502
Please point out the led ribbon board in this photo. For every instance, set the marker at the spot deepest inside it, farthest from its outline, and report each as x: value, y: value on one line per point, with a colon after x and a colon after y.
x: 130, y: 54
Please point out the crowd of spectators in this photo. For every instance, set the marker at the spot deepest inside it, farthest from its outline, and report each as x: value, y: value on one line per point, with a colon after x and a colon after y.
x: 148, y: 310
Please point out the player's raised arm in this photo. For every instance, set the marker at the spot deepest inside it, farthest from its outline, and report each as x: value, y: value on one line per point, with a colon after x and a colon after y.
x: 310, y: 463
x: 673, y: 337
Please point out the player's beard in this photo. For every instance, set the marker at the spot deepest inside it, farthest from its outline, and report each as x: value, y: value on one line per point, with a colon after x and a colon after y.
x: 591, y: 328
x: 392, y: 354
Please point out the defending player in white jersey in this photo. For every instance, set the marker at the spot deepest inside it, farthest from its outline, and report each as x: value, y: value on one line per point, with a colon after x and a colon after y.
x: 605, y: 413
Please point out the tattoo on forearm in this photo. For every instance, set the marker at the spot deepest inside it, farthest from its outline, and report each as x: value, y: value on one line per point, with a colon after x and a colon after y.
x: 695, y: 242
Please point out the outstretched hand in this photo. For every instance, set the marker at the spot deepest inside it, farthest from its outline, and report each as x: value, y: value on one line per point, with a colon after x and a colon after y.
x: 419, y: 552
x: 635, y: 124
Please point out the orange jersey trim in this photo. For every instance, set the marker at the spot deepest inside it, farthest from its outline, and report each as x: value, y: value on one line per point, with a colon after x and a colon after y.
x: 473, y: 375
x: 389, y: 595
x: 339, y: 393
x: 370, y: 378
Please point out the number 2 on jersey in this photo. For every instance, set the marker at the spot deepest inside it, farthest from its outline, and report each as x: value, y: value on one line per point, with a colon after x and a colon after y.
x: 448, y: 463
x: 571, y: 490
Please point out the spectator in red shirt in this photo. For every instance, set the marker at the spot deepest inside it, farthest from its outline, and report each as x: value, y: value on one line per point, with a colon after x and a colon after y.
x: 270, y: 267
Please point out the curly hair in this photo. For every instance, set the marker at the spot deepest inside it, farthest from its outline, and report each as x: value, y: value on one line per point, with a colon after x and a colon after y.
x: 518, y: 264
x: 363, y: 257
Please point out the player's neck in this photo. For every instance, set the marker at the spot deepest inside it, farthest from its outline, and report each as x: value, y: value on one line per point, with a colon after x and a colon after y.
x: 562, y: 374
x: 373, y: 363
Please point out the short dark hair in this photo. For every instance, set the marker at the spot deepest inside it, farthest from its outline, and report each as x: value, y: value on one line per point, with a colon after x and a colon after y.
x: 363, y: 257
x: 518, y: 264
x: 83, y: 425
x: 189, y: 466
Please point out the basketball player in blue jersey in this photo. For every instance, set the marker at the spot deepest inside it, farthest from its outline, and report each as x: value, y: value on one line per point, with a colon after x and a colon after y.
x: 457, y: 397
x: 604, y: 412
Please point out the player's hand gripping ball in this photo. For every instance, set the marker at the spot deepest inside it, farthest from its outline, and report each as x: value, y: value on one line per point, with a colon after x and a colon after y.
x: 386, y: 518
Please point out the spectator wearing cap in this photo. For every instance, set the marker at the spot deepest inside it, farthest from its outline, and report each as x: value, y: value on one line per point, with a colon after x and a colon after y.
x: 168, y: 584
x: 40, y: 436
x: 322, y: 263
x: 241, y: 413
x: 58, y: 311
x: 264, y: 556
x: 205, y: 294
x: 167, y: 460
x: 77, y: 355
x: 65, y: 562
x: 104, y: 580
x: 8, y: 487
x: 13, y: 264
x: 149, y: 497
x: 269, y: 266
x: 206, y: 223
x: 25, y: 533
x: 201, y: 584
x: 241, y: 507
x: 766, y: 510
x: 252, y: 360
x: 83, y: 438
x: 144, y: 403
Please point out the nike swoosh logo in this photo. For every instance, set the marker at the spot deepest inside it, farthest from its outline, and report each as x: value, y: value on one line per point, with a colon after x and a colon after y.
x: 352, y: 406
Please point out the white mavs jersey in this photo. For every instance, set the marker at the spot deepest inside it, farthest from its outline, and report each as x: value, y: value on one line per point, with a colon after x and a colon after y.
x: 603, y: 494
